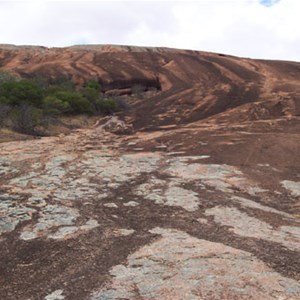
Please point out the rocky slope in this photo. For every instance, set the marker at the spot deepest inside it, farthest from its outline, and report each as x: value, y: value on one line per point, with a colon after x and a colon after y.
x: 193, y: 85
x: 200, y: 201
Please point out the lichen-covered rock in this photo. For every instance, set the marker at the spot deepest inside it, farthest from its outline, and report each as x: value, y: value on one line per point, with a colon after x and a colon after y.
x: 179, y: 266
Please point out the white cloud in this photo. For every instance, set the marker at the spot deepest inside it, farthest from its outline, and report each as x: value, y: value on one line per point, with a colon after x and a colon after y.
x: 251, y: 28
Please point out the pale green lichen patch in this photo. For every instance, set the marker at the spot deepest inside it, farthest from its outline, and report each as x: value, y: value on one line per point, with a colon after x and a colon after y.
x: 70, y: 231
x: 121, y: 169
x: 179, y: 266
x: 244, y: 225
x: 51, y: 216
x: 12, y: 213
x: 223, y: 177
x: 5, y: 167
x: 292, y: 186
x: 168, y: 193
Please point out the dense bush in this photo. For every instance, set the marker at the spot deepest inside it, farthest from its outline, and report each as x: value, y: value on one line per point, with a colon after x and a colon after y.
x: 26, y: 103
x: 77, y: 102
x: 26, y: 118
x: 6, y: 76
x: 93, y: 84
x: 19, y: 92
x: 107, y: 105
x: 53, y: 105
x: 4, y: 113
x: 59, y: 85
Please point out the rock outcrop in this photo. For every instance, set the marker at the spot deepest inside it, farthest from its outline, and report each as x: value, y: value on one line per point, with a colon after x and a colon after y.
x: 200, y: 201
x: 191, y: 85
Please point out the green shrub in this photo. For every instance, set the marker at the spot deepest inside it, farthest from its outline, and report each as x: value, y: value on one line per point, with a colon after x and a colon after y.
x: 63, y: 82
x: 4, y: 100
x: 26, y: 104
x: 54, y: 105
x: 77, y: 102
x: 107, y: 105
x: 26, y: 118
x: 60, y: 86
x: 23, y: 91
x: 93, y: 84
x: 6, y: 77
x: 4, y: 112
x: 91, y: 94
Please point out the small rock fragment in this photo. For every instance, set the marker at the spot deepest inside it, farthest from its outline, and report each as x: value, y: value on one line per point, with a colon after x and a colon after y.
x: 110, y: 205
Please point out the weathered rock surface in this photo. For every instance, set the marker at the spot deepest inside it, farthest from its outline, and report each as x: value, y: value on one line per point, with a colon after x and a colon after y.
x: 81, y: 217
x: 202, y: 204
x: 115, y: 125
x: 179, y: 266
x: 190, y: 85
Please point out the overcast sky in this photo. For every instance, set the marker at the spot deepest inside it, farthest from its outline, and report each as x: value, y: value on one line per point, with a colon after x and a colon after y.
x: 249, y: 28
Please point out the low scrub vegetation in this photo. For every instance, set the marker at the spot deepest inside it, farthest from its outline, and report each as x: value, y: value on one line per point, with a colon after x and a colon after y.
x: 28, y: 104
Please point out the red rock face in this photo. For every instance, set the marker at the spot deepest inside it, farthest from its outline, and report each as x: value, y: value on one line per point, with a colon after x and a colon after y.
x: 198, y: 198
x: 193, y: 85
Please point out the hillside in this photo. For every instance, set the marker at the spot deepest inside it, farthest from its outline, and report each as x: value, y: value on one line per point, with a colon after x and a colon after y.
x: 193, y: 85
x: 197, y: 198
